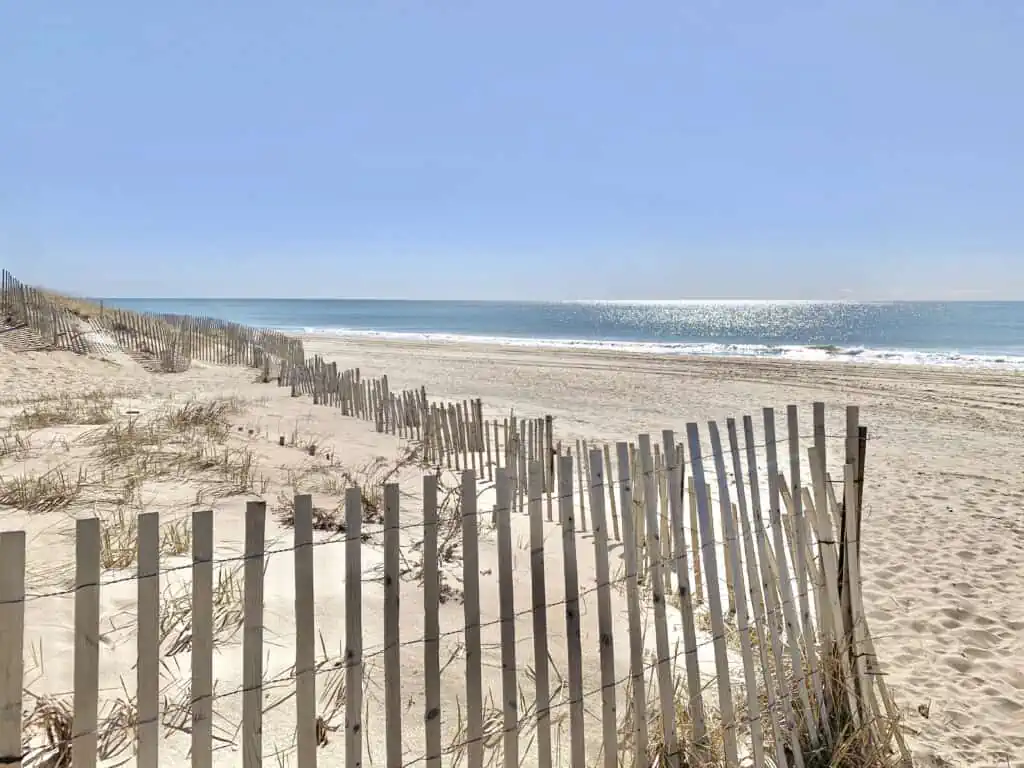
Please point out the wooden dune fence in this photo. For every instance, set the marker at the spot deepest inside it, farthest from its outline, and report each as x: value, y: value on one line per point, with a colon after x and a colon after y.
x: 454, y: 435
x: 751, y: 550
x: 174, y: 341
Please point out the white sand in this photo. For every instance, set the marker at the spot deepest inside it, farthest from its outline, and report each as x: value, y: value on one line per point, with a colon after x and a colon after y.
x: 943, y: 542
x: 943, y: 528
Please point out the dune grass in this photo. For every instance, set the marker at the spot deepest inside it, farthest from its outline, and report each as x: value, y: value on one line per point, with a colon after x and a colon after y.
x: 188, y: 441
x: 50, y: 491
x: 90, y: 409
x: 176, y: 612
x: 333, y: 481
x: 119, y: 538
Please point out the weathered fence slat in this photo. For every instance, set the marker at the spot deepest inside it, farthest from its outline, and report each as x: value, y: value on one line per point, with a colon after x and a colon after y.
x: 252, y: 635
x: 392, y: 636
x: 202, y: 639
x: 87, y: 642
x: 609, y: 717
x: 353, y: 654
x: 540, y: 616
x: 148, y: 640
x: 431, y: 624
x: 305, y: 635
x: 471, y: 605
x: 12, y: 642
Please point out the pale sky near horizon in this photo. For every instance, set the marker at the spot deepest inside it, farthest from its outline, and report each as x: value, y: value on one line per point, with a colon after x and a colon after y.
x: 528, y: 150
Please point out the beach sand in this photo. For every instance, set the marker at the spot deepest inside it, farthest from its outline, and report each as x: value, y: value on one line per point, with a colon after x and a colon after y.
x: 943, y: 535
x: 942, y: 546
x: 60, y: 415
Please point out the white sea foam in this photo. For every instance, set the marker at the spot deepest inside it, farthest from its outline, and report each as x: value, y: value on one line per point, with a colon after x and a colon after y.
x: 949, y: 358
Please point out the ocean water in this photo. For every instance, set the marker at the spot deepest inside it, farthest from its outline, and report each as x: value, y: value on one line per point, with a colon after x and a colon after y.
x: 970, y: 334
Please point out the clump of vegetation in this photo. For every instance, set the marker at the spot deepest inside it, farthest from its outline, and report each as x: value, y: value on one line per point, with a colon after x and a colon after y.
x: 47, y: 492
x: 228, y: 612
x: 119, y: 531
x: 331, y: 520
x: 119, y: 538
x: 47, y: 730
x: 92, y: 408
x: 176, y: 537
x: 190, y: 441
x: 370, y: 478
x: 209, y: 416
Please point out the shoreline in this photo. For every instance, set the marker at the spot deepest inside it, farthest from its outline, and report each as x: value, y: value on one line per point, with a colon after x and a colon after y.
x: 795, y: 353
x: 732, y: 363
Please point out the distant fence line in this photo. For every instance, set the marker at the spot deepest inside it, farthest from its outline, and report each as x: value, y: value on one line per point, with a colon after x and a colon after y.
x: 454, y: 434
x: 812, y: 688
x: 171, y: 341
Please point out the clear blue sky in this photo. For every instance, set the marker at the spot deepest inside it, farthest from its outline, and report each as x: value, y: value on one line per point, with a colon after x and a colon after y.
x: 483, y: 149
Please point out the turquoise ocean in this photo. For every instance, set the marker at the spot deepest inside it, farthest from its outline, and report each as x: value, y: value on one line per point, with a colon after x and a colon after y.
x: 967, y: 334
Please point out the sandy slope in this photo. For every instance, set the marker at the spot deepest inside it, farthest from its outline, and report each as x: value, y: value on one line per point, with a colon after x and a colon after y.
x: 944, y: 527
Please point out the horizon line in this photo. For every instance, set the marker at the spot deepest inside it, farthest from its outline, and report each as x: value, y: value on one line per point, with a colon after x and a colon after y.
x: 648, y: 302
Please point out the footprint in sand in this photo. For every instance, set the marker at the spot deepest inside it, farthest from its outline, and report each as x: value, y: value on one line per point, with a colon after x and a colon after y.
x: 1014, y: 677
x: 963, y: 589
x: 949, y: 623
x: 981, y: 638
x: 1006, y: 706
x: 978, y: 654
x: 958, y: 614
x: 961, y: 664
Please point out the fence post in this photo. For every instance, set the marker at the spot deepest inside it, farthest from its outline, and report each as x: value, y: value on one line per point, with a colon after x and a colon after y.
x: 353, y: 629
x: 732, y: 555
x: 507, y: 610
x: 666, y: 687
x: 574, y: 649
x: 471, y: 608
x: 540, y: 615
x: 252, y: 636
x: 636, y: 638
x: 756, y: 594
x: 87, y: 648
x: 431, y: 624
x: 714, y: 596
x: 609, y: 717
x: 148, y: 669
x: 392, y: 637
x: 12, y: 642
x: 790, y: 616
x: 771, y: 598
x: 202, y: 638
x: 305, y: 635
x: 801, y: 565
x: 675, y: 465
